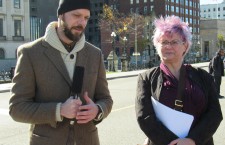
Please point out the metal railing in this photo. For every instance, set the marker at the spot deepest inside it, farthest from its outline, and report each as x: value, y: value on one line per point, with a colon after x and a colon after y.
x: 5, y: 76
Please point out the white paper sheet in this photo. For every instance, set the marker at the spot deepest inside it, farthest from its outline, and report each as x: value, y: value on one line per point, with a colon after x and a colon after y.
x: 177, y: 122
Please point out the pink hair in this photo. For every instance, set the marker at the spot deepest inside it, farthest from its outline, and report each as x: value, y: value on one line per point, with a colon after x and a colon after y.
x: 171, y: 25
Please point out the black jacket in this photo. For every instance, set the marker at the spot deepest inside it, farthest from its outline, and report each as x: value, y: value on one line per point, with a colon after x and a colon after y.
x: 150, y: 84
x: 218, y: 66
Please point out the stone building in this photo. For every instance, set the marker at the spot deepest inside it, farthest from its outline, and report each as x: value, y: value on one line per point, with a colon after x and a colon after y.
x: 14, y: 30
x: 210, y: 29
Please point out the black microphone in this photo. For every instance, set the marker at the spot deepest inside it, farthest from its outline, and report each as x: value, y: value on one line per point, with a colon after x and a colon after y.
x: 77, y: 81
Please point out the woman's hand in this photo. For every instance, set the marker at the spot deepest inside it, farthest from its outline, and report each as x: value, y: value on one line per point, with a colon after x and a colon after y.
x: 182, y: 141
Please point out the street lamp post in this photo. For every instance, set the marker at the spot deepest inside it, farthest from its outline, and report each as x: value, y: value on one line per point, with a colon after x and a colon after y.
x: 124, y: 56
x: 135, y: 38
x: 125, y: 40
x: 113, y: 35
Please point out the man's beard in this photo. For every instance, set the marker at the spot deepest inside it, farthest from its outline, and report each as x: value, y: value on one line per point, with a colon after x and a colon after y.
x: 70, y: 35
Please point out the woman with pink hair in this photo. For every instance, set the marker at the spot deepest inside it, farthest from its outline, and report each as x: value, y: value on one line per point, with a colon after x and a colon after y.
x: 178, y: 86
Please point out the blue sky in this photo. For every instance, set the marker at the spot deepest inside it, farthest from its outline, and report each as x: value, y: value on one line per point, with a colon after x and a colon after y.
x: 202, y: 2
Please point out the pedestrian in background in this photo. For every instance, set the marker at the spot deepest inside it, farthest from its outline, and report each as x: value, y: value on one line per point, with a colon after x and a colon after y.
x: 43, y: 78
x: 172, y: 39
x: 218, y: 69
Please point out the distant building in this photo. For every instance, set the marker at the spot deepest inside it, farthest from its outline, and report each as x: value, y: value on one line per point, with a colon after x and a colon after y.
x: 187, y: 10
x: 213, y: 11
x: 14, y: 30
x: 42, y: 12
x: 210, y: 29
x: 92, y: 30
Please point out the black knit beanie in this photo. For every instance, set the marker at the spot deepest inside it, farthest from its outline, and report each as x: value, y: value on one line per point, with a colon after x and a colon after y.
x: 69, y: 5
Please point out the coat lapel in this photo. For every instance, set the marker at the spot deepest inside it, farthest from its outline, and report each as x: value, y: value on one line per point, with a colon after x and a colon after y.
x: 56, y: 59
x: 82, y: 61
x: 82, y: 57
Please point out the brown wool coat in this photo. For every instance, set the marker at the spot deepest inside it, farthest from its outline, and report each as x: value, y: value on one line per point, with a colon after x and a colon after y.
x: 41, y: 81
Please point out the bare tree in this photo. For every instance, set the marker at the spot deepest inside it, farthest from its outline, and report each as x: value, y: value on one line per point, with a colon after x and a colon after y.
x: 123, y: 25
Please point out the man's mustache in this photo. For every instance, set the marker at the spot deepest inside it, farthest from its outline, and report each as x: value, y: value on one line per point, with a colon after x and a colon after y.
x: 78, y: 27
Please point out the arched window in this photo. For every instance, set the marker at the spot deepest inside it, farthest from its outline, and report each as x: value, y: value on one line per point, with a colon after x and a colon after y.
x: 2, y: 53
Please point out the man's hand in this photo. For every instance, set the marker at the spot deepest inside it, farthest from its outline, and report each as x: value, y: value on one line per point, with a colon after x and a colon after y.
x: 87, y: 112
x: 69, y: 108
x: 182, y: 141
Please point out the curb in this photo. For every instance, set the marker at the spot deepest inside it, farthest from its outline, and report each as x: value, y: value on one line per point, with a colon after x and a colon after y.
x: 121, y: 76
x: 4, y: 91
x: 109, y: 78
x: 112, y: 78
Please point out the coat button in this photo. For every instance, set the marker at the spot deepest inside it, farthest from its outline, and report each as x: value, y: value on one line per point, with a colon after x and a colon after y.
x: 71, y: 56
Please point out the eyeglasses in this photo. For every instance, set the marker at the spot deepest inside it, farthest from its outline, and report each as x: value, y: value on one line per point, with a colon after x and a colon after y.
x: 173, y: 43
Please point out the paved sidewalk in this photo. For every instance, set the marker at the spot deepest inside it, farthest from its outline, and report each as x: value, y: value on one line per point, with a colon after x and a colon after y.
x: 7, y: 86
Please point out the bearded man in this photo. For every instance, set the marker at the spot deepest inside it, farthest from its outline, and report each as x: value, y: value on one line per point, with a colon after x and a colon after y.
x: 43, y: 82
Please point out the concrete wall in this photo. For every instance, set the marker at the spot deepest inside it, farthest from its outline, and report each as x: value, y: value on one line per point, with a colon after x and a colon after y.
x: 209, y: 30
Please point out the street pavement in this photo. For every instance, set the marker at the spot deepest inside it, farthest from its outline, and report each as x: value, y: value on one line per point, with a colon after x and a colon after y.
x: 7, y: 86
x: 219, y: 137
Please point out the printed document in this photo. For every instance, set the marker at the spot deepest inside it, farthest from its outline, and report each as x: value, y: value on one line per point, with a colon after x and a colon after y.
x: 177, y: 122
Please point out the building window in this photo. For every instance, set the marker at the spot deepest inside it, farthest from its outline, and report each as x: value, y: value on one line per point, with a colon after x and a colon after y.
x: 2, y: 53
x: 191, y: 4
x: 137, y: 10
x: 17, y: 4
x: 186, y: 3
x: 177, y: 9
x: 137, y: 1
x: 17, y: 27
x: 208, y: 10
x: 151, y: 8
x: 1, y: 27
x: 145, y: 9
x: 166, y: 7
x: 131, y: 1
x: 35, y: 27
x: 218, y: 9
x: 190, y: 12
x: 131, y: 10
x: 145, y: 1
x: 182, y: 10
x: 172, y: 8
x: 0, y: 3
x: 186, y: 11
x: 191, y: 22
x: 33, y: 9
x: 115, y: 6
